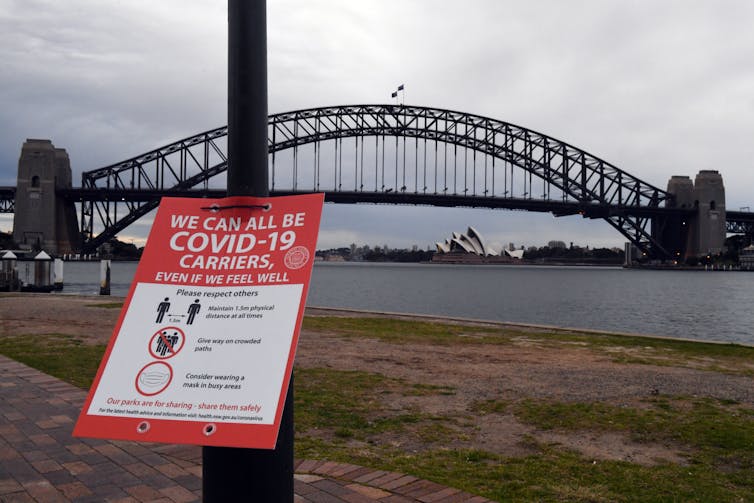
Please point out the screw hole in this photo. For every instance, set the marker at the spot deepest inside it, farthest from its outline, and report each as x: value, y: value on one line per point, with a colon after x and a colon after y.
x: 209, y: 429
x: 143, y: 427
x: 267, y: 207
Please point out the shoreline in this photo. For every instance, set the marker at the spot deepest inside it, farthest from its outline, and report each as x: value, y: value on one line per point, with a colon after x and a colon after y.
x: 533, y: 326
x: 312, y: 310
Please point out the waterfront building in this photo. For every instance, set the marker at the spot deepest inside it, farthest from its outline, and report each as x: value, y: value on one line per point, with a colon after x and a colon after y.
x: 471, y: 247
x: 746, y: 258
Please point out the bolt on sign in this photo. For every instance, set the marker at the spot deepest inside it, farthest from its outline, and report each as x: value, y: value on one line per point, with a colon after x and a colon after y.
x: 203, y: 350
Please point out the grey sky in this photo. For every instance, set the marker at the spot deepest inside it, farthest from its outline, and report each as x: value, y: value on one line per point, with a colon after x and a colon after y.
x: 655, y: 87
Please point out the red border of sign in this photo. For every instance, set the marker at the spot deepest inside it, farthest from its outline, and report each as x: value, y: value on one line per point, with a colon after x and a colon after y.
x: 248, y: 435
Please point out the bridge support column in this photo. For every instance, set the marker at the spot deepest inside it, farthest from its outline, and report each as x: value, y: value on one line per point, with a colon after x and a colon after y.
x: 42, y: 220
x: 709, y: 201
x: 703, y: 232
x: 673, y: 231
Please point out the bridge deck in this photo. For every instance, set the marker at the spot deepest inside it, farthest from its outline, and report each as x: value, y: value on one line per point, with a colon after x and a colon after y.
x: 558, y: 208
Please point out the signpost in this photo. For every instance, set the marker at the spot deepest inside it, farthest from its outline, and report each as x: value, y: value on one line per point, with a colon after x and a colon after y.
x: 203, y: 350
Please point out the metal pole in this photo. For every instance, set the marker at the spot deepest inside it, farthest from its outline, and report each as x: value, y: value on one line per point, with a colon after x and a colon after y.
x: 247, y: 98
x: 232, y: 474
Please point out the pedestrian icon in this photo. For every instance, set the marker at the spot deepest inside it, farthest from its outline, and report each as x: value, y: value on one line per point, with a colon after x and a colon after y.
x: 193, y: 309
x: 166, y: 342
x: 162, y: 309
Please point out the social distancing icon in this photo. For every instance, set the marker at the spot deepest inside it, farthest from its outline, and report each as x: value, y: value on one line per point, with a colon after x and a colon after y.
x: 166, y: 342
x: 193, y: 309
x: 162, y: 309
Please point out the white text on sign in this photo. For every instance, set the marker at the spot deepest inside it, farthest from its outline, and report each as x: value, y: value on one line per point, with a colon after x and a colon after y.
x: 226, y: 243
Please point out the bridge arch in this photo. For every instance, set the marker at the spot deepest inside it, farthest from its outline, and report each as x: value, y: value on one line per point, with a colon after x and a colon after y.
x: 493, y: 154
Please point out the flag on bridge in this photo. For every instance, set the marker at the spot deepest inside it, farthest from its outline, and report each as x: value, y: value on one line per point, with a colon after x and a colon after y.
x: 400, y: 87
x: 394, y: 95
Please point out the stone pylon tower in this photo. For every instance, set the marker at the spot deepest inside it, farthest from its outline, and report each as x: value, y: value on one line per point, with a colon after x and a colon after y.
x: 709, y: 199
x: 703, y: 232
x: 42, y: 220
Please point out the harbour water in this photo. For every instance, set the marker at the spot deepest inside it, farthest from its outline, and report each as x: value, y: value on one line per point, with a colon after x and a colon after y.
x: 686, y: 304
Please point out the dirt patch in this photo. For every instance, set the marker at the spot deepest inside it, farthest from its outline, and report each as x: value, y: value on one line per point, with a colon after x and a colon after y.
x: 614, y: 447
x: 479, y: 373
x: 78, y: 316
x: 468, y: 374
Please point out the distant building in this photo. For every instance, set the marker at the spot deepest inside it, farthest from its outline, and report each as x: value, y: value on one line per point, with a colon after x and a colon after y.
x: 746, y: 258
x: 518, y: 254
x: 470, y: 242
x: 471, y: 247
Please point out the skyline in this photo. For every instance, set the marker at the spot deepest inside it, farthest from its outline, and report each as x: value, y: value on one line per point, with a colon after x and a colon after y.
x: 658, y: 89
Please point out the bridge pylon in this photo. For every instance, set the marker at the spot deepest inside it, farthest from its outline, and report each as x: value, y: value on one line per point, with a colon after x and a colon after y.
x: 702, y: 230
x: 42, y: 219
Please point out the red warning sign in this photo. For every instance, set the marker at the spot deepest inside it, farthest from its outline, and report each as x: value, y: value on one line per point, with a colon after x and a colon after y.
x: 203, y: 350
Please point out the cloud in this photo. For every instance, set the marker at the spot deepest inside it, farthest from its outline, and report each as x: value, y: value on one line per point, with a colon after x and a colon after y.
x: 656, y: 88
x: 337, y: 238
x: 6, y: 222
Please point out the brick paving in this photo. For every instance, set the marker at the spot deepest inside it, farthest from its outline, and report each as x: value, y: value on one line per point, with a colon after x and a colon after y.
x: 41, y: 462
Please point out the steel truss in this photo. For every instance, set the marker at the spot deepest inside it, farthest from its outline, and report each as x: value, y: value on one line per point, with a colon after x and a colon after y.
x: 7, y: 199
x: 571, y: 180
x: 739, y: 222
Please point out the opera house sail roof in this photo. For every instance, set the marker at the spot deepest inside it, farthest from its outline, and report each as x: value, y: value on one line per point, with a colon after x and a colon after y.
x: 471, y: 242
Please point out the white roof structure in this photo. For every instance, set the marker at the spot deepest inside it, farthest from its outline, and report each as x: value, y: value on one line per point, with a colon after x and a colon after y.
x: 470, y: 242
x: 519, y: 254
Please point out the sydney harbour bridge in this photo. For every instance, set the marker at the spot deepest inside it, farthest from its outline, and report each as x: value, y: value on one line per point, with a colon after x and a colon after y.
x: 379, y: 154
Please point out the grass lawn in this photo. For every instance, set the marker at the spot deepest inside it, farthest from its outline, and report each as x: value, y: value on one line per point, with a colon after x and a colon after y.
x: 340, y: 414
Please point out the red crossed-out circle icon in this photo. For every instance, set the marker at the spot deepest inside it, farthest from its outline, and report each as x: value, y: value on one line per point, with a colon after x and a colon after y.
x: 166, y: 342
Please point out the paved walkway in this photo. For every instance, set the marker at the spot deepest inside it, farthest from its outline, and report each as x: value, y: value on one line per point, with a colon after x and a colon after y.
x: 40, y: 460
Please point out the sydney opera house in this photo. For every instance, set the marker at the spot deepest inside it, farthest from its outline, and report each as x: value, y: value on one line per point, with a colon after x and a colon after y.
x: 471, y: 247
